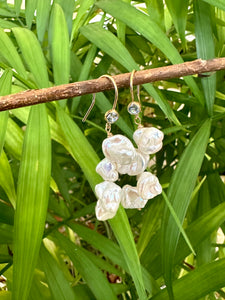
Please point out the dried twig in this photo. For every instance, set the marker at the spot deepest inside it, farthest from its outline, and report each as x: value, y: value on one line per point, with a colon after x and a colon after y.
x: 32, y: 97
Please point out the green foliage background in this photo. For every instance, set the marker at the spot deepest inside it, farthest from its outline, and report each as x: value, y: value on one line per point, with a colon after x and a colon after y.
x: 51, y: 245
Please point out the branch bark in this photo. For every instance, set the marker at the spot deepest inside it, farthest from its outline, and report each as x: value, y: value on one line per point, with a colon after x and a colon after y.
x: 32, y: 97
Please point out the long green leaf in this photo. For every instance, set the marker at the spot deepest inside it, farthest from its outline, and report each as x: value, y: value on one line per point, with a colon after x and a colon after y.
x: 205, y: 48
x: 179, y: 194
x: 178, y: 10
x: 121, y: 229
x: 17, y: 6
x: 6, y: 179
x: 14, y: 139
x: 5, y: 89
x: 198, y: 283
x: 139, y: 21
x: 87, y: 159
x: 91, y: 274
x: 217, y: 3
x: 33, y: 55
x: 58, y: 284
x: 8, y: 51
x: 109, y: 43
x: 32, y: 201
x: 60, y: 51
x: 43, y: 10
x: 30, y: 6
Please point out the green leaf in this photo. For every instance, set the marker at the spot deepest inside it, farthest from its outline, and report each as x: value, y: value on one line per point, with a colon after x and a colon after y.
x: 33, y: 55
x: 197, y: 283
x: 5, y: 89
x: 43, y: 10
x: 30, y: 6
x: 139, y: 21
x: 91, y: 274
x: 14, y: 139
x: 17, y: 4
x: 60, y: 51
x: 32, y: 200
x: 68, y: 9
x: 6, y: 179
x: 181, y: 187
x: 87, y: 159
x: 217, y: 3
x: 205, y: 48
x: 122, y: 230
x: 179, y: 10
x: 109, y: 43
x: 58, y: 284
x: 8, y: 51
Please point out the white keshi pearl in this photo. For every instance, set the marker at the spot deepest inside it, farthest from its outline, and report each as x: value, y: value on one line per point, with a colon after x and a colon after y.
x: 137, y: 166
x: 119, y: 149
x: 110, y: 195
x: 107, y: 170
x: 148, y: 186
x: 131, y: 198
x: 148, y: 139
x: 101, y: 213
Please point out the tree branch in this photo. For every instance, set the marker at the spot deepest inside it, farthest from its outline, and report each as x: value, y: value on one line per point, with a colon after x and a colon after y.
x: 32, y: 97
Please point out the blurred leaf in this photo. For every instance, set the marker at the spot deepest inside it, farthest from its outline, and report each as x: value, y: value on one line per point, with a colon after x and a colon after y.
x: 181, y: 187
x: 6, y: 234
x: 17, y: 4
x: 197, y: 283
x: 32, y: 201
x: 179, y: 10
x: 30, y: 6
x: 5, y: 89
x: 6, y: 213
x: 8, y: 51
x: 43, y: 10
x: 58, y: 284
x: 205, y: 48
x: 68, y: 9
x: 33, y: 55
x: 91, y: 274
x: 218, y: 3
x: 6, y: 181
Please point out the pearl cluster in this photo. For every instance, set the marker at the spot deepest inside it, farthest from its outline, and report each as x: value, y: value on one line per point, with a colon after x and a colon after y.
x: 121, y: 157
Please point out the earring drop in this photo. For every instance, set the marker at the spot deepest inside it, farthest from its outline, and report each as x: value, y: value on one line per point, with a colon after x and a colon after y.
x: 121, y: 157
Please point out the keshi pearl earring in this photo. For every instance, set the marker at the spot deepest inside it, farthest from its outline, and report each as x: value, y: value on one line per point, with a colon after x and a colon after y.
x: 149, y: 141
x: 121, y: 157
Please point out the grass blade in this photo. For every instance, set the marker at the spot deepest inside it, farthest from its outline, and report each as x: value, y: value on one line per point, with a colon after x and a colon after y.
x: 91, y: 274
x: 59, y: 41
x: 217, y: 3
x: 58, y: 284
x: 121, y: 228
x: 8, y: 51
x: 178, y: 10
x: 205, y: 48
x: 32, y: 201
x: 181, y: 187
x: 139, y: 21
x: 17, y: 4
x: 30, y: 6
x: 43, y: 10
x: 5, y: 89
x: 6, y: 180
x: 33, y: 55
x: 190, y: 283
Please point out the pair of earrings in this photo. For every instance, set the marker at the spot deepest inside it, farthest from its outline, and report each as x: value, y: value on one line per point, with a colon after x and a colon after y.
x: 121, y: 157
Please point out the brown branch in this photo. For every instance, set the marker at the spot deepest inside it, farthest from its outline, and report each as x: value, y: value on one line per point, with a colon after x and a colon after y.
x: 32, y: 97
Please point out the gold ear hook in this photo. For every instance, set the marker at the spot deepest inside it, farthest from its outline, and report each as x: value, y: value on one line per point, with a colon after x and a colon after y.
x: 113, y: 110
x: 132, y: 89
x: 90, y: 108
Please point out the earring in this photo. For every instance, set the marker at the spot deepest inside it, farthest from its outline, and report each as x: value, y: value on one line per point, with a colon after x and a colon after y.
x: 121, y: 157
x: 149, y: 141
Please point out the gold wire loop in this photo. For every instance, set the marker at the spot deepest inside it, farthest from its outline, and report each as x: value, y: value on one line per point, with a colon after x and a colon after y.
x: 90, y: 108
x: 115, y: 87
x: 132, y: 88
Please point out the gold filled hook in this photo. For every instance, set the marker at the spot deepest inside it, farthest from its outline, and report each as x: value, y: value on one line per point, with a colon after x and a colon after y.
x: 94, y: 97
x: 132, y: 88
